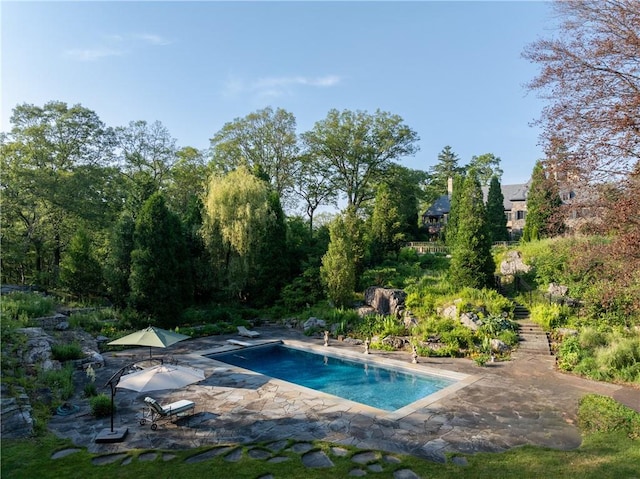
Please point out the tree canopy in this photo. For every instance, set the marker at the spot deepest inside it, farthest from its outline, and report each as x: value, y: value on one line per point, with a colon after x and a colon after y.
x: 590, y: 78
x: 355, y: 149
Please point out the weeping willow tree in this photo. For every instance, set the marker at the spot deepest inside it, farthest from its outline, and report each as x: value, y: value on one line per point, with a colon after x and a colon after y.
x: 237, y: 216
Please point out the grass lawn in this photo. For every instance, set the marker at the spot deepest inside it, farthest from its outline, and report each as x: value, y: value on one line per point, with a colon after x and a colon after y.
x: 601, y: 456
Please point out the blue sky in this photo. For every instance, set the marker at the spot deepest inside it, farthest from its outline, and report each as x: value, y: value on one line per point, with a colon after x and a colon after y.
x: 451, y: 70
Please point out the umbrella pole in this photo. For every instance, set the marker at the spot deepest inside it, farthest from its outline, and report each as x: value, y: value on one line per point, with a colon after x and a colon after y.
x: 113, y: 393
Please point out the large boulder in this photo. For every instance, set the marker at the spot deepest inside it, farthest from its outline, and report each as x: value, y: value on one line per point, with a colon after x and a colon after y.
x: 16, y: 415
x: 470, y: 320
x: 37, y: 349
x: 312, y: 323
x: 513, y: 264
x: 555, y: 289
x: 386, y: 301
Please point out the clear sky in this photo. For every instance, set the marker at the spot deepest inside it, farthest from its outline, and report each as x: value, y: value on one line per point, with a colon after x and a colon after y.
x: 452, y: 70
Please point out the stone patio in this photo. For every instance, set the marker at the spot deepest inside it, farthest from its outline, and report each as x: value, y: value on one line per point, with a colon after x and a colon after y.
x: 502, y: 405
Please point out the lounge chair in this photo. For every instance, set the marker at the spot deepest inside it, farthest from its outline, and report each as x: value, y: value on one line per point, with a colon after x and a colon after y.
x: 242, y: 331
x: 156, y: 412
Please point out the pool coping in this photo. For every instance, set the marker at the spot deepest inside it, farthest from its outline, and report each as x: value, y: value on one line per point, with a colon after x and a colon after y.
x: 462, y: 380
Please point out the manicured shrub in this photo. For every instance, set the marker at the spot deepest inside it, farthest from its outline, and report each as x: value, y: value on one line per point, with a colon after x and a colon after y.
x: 602, y: 414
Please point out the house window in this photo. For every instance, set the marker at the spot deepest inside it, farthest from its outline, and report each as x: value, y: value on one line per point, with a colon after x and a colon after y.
x: 520, y: 215
x: 508, y: 215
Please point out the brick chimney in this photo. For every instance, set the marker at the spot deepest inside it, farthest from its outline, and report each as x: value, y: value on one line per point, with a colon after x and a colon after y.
x: 449, y: 186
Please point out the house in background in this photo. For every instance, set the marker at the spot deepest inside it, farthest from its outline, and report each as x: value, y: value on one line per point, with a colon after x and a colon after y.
x: 434, y: 219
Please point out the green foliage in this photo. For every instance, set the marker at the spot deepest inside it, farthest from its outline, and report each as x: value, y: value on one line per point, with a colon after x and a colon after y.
x: 604, y: 356
x: 237, y: 215
x: 496, y: 219
x: 80, y: 271
x: 549, y: 316
x: 446, y: 167
x: 385, y: 228
x: 543, y: 206
x: 59, y: 381
x: 25, y: 305
x: 160, y: 278
x: 472, y: 263
x: 101, y: 406
x: 603, y: 414
x: 66, y: 352
x: 338, y: 268
x: 90, y: 390
x: 569, y: 354
x: 118, y: 262
x: 355, y: 149
x: 101, y: 321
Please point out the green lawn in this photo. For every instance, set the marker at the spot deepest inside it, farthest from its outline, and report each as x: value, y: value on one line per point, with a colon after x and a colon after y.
x: 601, y: 456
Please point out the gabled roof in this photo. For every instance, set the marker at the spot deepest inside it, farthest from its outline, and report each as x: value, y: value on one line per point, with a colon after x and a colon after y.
x: 511, y: 193
x: 440, y: 207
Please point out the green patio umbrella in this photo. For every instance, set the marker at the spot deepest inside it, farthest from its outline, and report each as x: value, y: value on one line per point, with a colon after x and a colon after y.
x: 152, y: 337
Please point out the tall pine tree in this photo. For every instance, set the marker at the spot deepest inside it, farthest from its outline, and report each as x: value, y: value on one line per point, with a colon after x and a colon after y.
x: 471, y: 263
x: 496, y: 219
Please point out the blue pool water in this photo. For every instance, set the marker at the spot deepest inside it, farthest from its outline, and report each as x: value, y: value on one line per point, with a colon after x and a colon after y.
x: 374, y: 386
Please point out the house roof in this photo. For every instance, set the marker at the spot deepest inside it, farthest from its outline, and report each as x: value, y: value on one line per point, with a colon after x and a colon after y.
x: 440, y: 207
x: 511, y: 193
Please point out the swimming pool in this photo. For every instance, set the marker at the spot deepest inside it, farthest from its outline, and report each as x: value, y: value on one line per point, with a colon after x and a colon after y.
x: 363, y: 382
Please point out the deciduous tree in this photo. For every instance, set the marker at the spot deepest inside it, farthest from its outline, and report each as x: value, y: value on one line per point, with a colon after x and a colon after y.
x: 265, y: 139
x: 487, y: 166
x: 356, y: 148
x: 590, y: 78
x: 55, y: 177
x: 237, y: 215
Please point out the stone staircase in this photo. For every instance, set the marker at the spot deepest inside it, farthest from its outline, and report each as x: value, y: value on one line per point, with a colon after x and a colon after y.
x: 533, y: 340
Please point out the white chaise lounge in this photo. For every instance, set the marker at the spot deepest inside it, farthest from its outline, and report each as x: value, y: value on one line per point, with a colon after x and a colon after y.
x: 156, y: 412
x: 242, y: 331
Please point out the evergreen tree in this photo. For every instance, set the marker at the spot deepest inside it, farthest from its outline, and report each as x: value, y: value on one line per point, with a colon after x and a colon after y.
x: 118, y: 262
x: 439, y: 174
x: 385, y: 228
x: 405, y: 189
x: 544, y: 218
x: 273, y: 263
x: 472, y: 263
x: 496, y: 219
x: 160, y: 278
x: 80, y: 271
x: 338, y: 269
x: 451, y: 228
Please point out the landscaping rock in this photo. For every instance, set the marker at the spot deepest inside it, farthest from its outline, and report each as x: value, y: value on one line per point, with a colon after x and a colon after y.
x: 386, y: 301
x: 513, y: 264
x: 470, y: 320
x: 499, y: 346
x: 312, y: 323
